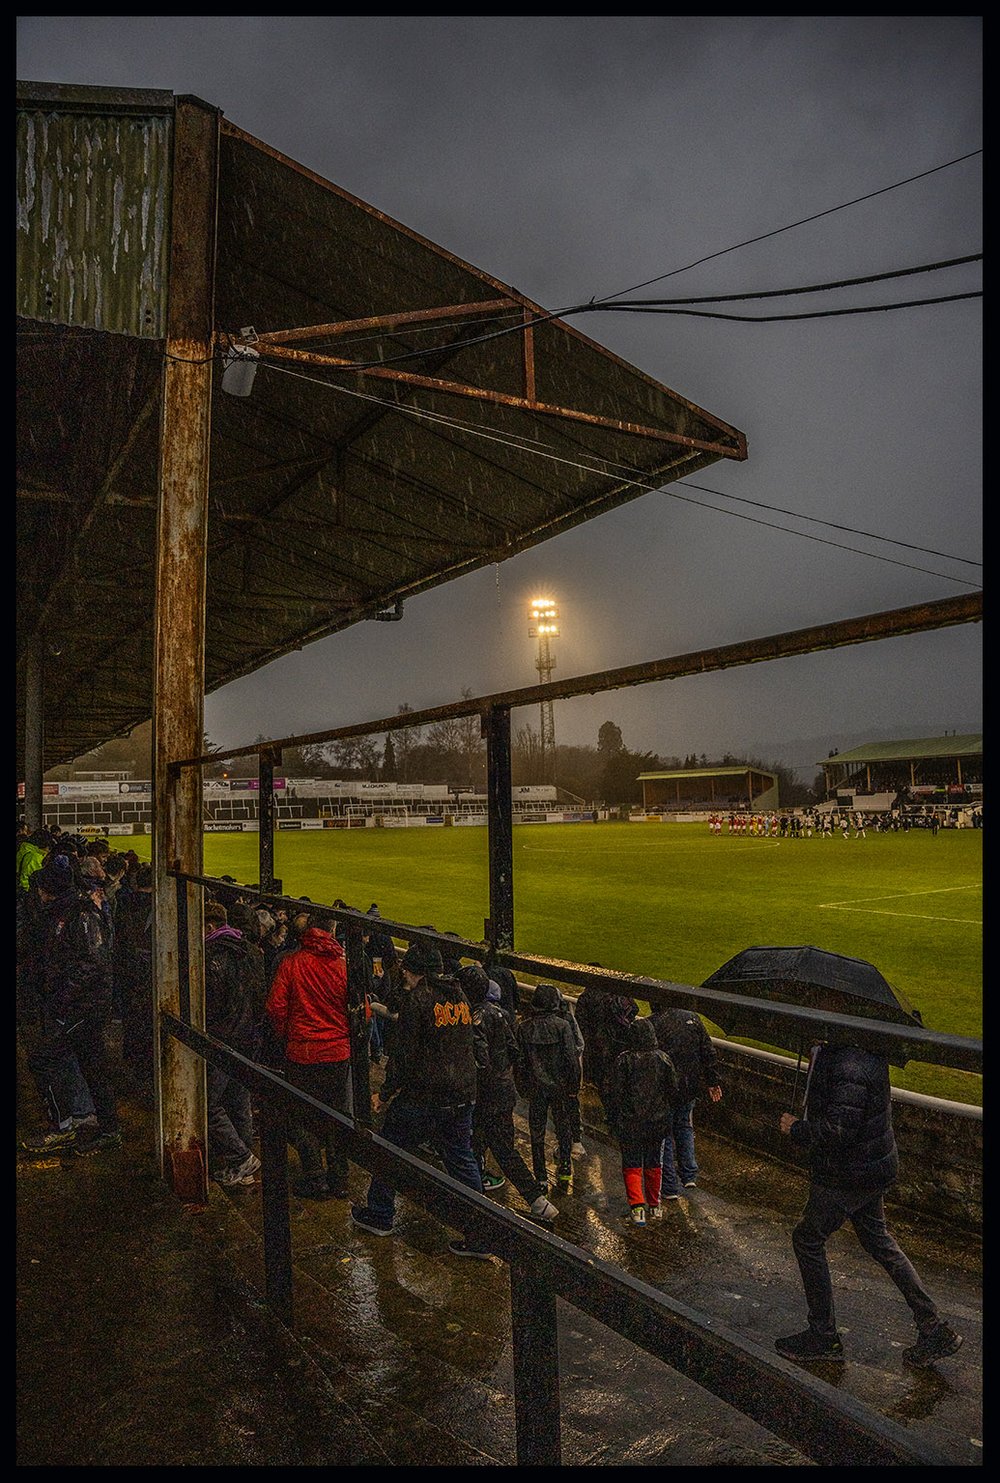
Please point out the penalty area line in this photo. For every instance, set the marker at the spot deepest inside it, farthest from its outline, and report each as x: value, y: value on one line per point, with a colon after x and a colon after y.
x: 922, y: 916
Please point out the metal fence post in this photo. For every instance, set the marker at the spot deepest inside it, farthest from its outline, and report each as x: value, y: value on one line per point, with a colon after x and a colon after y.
x: 496, y: 729
x: 277, y: 1230
x: 357, y: 989
x: 265, y: 821
x: 536, y: 1368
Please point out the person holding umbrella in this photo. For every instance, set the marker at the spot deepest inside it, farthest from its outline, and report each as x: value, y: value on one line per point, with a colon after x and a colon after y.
x: 845, y: 1127
x: 846, y: 1130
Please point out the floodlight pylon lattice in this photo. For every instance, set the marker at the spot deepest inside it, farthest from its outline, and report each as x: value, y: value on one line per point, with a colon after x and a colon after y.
x: 543, y: 624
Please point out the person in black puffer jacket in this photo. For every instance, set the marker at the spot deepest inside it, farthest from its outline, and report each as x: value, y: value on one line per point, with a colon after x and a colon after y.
x: 493, y: 1115
x: 847, y: 1133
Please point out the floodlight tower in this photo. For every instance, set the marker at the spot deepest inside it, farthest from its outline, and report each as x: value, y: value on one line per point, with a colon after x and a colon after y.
x: 543, y: 624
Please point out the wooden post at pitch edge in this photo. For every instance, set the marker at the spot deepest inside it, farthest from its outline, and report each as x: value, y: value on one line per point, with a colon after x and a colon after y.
x: 179, y: 637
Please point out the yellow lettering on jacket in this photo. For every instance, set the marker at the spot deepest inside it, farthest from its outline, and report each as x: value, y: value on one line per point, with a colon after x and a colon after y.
x: 451, y: 1014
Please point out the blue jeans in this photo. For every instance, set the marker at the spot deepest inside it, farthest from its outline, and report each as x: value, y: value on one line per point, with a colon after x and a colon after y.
x: 447, y: 1129
x: 679, y: 1162
x: 230, y: 1120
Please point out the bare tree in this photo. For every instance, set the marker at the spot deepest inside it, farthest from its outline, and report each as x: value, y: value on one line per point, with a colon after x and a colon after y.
x: 405, y: 743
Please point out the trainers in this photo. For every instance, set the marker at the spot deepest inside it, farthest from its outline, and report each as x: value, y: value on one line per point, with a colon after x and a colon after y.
x: 655, y: 1212
x: 362, y: 1216
x: 690, y: 1184
x: 810, y: 1346
x: 250, y: 1165
x: 84, y: 1147
x: 578, y: 1149
x: 229, y: 1177
x: 50, y: 1142
x: 462, y: 1248
x: 670, y: 1197
x: 637, y: 1215
x: 493, y: 1181
x: 543, y: 1209
x: 937, y: 1345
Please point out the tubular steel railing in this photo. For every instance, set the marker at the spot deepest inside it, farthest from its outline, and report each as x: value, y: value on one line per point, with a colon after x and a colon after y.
x: 821, y: 1423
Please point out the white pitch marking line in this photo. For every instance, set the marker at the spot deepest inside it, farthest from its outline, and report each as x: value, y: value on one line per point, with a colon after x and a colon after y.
x: 920, y: 915
x: 898, y: 895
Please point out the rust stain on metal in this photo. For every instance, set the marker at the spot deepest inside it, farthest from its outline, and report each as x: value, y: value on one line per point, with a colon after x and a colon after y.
x: 502, y: 399
x: 186, y: 1172
x: 383, y: 321
x: 528, y: 350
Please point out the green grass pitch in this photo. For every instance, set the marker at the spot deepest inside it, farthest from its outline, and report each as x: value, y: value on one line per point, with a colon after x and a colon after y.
x: 675, y: 902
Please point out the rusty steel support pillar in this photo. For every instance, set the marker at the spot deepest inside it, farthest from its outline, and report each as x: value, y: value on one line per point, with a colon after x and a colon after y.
x: 179, y: 638
x: 496, y: 730
x: 34, y: 735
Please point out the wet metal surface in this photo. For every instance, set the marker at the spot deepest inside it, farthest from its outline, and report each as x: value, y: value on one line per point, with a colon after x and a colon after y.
x: 156, y: 1350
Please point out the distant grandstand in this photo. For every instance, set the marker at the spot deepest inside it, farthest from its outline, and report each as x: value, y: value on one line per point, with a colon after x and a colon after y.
x: 932, y: 770
x: 692, y: 789
x: 109, y: 806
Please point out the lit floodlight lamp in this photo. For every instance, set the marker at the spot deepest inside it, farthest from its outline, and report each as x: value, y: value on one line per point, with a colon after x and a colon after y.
x: 542, y: 615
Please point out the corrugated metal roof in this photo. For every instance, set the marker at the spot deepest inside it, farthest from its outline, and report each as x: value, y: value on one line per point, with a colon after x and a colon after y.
x: 910, y: 751
x: 333, y: 495
x: 706, y: 772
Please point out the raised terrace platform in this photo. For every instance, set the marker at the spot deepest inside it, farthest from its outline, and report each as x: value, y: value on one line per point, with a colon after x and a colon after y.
x: 144, y: 1340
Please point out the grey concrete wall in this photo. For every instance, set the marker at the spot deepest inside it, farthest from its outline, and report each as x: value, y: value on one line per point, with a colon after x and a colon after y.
x: 940, y: 1143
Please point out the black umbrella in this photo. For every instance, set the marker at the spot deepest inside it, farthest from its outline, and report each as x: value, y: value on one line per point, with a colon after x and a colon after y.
x: 809, y: 978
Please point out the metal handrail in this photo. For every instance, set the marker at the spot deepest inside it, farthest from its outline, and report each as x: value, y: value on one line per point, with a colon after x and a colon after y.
x: 820, y: 1422
x: 961, y: 1052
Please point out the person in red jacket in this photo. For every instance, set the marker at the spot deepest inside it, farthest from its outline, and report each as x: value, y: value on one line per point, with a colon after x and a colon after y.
x: 307, y: 1006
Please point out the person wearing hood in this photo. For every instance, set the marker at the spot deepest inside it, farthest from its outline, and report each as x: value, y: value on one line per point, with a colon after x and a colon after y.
x: 307, y: 1009
x: 846, y: 1132
x: 566, y: 1008
x: 548, y: 1076
x: 682, y: 1035
x: 66, y: 1000
x: 508, y: 989
x: 643, y: 1089
x: 234, y: 1003
x: 430, y: 1086
x: 32, y: 852
x: 493, y: 1115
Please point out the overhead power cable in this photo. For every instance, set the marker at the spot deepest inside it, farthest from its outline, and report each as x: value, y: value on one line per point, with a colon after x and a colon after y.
x: 476, y: 431
x: 810, y: 288
x: 803, y: 221
x: 660, y: 306
x: 814, y: 314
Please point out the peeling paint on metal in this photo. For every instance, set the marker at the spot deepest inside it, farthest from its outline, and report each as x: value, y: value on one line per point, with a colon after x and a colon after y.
x: 92, y: 212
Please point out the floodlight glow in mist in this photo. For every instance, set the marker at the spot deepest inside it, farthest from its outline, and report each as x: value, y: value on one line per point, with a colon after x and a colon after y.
x: 542, y: 616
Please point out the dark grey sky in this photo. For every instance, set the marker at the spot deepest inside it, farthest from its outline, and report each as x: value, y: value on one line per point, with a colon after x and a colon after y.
x: 574, y: 157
